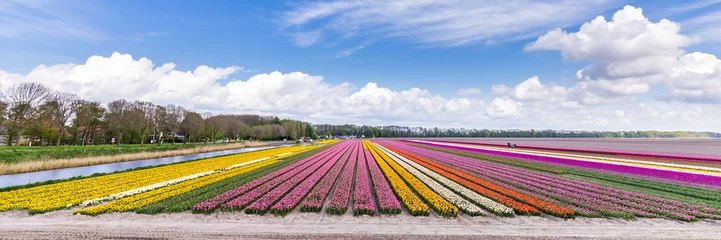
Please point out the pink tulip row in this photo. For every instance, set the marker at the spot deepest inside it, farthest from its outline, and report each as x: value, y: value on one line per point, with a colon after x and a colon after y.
x: 315, y: 199
x: 585, y: 196
x: 338, y: 203
x: 288, y: 195
x: 387, y: 200
x: 275, y: 177
x: 260, y: 199
x: 362, y: 196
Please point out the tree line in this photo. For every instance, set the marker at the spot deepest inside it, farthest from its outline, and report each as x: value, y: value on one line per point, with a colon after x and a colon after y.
x: 39, y: 115
x: 420, y: 132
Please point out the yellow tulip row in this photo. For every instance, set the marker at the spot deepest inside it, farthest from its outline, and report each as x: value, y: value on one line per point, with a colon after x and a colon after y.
x: 414, y: 204
x: 331, y: 141
x: 441, y: 205
x: 61, y: 195
x: 137, y: 201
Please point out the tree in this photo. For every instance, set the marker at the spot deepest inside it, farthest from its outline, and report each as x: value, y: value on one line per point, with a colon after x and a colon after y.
x: 62, y: 107
x: 118, y: 116
x: 88, y: 117
x: 175, y: 115
x: 310, y: 132
x: 24, y: 100
x: 192, y: 125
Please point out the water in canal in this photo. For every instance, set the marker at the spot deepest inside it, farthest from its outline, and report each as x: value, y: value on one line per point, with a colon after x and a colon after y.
x: 41, y: 176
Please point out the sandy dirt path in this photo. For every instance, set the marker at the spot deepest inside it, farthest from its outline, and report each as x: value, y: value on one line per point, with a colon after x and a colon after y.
x: 64, y: 225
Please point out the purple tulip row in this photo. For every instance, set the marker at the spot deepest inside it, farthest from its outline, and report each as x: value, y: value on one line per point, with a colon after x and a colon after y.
x: 315, y: 199
x: 270, y: 179
x: 259, y: 200
x: 338, y: 203
x: 362, y: 196
x: 604, y: 151
x: 387, y: 200
x: 588, y: 196
x: 666, y: 174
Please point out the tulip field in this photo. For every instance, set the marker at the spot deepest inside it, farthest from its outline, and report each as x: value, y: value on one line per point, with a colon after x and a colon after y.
x: 391, y: 177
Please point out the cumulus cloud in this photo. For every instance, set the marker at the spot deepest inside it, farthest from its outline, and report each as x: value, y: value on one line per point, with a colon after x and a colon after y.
x: 293, y: 94
x: 469, y: 91
x: 630, y: 54
x: 530, y: 104
x: 504, y: 108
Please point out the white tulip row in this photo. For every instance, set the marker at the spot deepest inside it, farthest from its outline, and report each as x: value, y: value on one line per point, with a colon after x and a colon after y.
x: 482, y: 201
x: 446, y: 193
x: 169, y: 182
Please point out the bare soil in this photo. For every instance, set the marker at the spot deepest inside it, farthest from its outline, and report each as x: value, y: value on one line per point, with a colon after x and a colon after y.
x: 64, y: 225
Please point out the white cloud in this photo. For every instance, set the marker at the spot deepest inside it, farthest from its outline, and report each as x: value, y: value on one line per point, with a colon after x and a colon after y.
x: 469, y: 91
x: 305, y: 39
x: 705, y: 26
x: 439, y: 23
x: 531, y: 104
x: 347, y: 52
x: 504, y: 108
x: 628, y: 36
x: 630, y: 54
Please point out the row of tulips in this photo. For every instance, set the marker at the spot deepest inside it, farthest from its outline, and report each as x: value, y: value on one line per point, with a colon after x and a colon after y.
x: 387, y: 201
x: 259, y: 199
x: 415, y: 205
x: 518, y: 207
x: 286, y: 196
x: 437, y: 183
x: 580, y: 202
x: 498, y: 193
x: 625, y: 169
x: 65, y: 194
x: 362, y: 195
x: 338, y: 203
x: 315, y: 199
x: 438, y: 203
x: 699, y: 158
x: 186, y: 201
x: 270, y: 179
x: 608, y: 201
x: 642, y: 202
x: 140, y: 200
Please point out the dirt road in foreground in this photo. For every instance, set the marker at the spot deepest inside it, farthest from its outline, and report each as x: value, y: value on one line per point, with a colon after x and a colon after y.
x: 64, y: 225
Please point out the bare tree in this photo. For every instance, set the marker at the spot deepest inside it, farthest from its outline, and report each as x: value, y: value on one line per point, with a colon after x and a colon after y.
x: 62, y: 107
x: 176, y: 115
x: 117, y: 117
x: 24, y: 100
x: 207, y: 124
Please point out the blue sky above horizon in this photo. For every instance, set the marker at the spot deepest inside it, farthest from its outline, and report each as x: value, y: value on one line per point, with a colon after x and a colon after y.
x: 454, y: 53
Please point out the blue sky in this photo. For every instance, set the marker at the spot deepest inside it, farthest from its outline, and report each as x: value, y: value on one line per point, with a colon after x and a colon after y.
x: 463, y: 45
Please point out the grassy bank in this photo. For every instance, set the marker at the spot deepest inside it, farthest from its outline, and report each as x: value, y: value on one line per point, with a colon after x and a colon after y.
x: 29, y: 159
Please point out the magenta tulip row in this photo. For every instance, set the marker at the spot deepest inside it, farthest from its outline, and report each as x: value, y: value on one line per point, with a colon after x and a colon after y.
x: 291, y: 192
x: 362, y: 195
x: 315, y: 199
x: 603, y: 151
x: 270, y: 179
x: 387, y: 200
x: 642, y: 171
x: 588, y: 198
x: 260, y: 199
x: 338, y: 203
